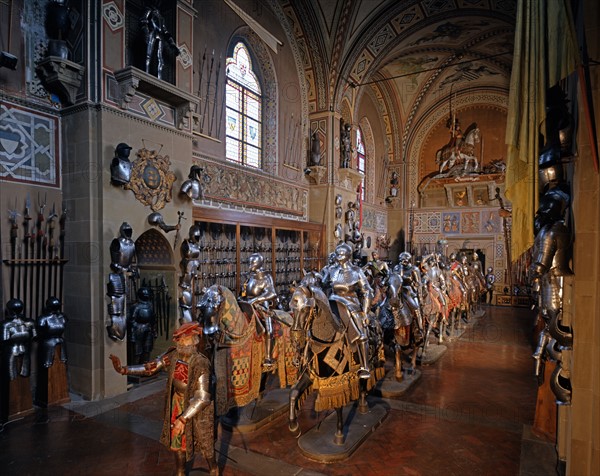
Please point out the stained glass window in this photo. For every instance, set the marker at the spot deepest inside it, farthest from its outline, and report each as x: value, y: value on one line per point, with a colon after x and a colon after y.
x: 361, y: 159
x: 243, y: 137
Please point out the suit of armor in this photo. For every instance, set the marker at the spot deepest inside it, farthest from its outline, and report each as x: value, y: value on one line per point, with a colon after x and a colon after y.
x: 192, y: 186
x: 351, y: 294
x: 550, y: 265
x: 50, y: 327
x: 143, y: 331
x: 122, y: 253
x: 120, y: 167
x: 188, y: 424
x: 377, y: 268
x: 490, y: 279
x: 190, y: 254
x: 17, y: 335
x: 435, y: 282
x: 259, y: 291
x: 411, y: 286
x: 155, y: 32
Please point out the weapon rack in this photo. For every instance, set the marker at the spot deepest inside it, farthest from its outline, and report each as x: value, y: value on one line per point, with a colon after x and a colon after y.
x: 229, y: 238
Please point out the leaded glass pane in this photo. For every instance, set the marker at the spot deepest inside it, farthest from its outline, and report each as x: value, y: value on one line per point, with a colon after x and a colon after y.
x: 252, y: 106
x: 252, y: 156
x: 252, y: 132
x: 239, y: 68
x: 232, y: 149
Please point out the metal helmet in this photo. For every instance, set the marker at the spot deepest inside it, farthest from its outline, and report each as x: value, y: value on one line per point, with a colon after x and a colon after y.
x: 53, y: 304
x: 560, y: 384
x: 14, y: 308
x: 405, y: 256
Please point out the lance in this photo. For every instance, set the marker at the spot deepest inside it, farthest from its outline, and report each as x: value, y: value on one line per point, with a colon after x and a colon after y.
x: 51, y: 224
x: 39, y: 279
x: 168, y: 318
x: 200, y: 72
x: 222, y: 110
x: 212, y: 119
x: 26, y: 242
x: 212, y: 62
x: 14, y: 231
x: 61, y: 238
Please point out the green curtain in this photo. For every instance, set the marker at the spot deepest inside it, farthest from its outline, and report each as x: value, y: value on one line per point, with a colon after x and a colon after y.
x: 546, y: 51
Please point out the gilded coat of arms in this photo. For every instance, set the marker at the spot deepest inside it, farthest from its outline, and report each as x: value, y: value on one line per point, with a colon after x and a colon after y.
x: 151, y: 180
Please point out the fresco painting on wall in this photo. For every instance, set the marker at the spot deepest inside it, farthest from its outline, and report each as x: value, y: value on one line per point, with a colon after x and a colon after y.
x: 451, y: 223
x: 470, y: 222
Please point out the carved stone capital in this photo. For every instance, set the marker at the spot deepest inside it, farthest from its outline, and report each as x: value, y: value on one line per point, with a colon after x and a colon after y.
x: 315, y: 173
x: 61, y: 77
x: 350, y: 178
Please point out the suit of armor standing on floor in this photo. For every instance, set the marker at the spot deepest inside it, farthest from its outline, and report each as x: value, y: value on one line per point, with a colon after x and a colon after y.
x: 50, y: 328
x: 188, y: 424
x: 143, y: 325
x: 259, y: 291
x: 351, y: 292
x: 490, y: 279
x: 550, y: 265
x: 18, y: 333
x: 122, y: 253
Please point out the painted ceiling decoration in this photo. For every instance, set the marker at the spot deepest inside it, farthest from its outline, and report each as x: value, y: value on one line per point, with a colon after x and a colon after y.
x: 410, y: 57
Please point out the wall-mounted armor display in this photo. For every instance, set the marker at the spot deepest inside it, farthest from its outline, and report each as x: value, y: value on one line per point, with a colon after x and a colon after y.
x: 192, y: 186
x: 120, y: 167
x: 122, y: 254
x: 190, y: 254
x: 156, y: 35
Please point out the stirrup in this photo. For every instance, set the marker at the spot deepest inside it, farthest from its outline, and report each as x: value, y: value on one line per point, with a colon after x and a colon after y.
x: 363, y: 373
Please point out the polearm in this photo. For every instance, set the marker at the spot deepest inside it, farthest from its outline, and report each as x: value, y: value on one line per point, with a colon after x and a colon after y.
x: 61, y: 239
x: 39, y: 238
x: 200, y: 74
x: 212, y: 62
x: 14, y: 231
x: 51, y: 250
x: 214, y: 110
x: 26, y: 242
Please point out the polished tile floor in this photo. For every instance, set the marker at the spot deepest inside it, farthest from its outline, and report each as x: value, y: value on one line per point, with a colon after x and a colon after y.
x: 469, y: 414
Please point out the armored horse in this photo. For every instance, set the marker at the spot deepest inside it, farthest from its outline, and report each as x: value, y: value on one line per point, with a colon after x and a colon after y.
x: 452, y: 155
x: 326, y: 359
x: 236, y: 338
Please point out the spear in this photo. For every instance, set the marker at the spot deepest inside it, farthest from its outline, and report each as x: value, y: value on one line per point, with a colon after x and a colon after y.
x: 212, y: 62
x: 61, y: 240
x: 14, y: 231
x: 51, y: 225
x: 26, y: 239
x: 39, y: 281
x: 212, y: 119
x: 201, y: 71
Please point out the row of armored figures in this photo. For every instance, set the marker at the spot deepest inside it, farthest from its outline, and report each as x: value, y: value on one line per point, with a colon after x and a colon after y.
x: 25, y: 343
x: 550, y: 271
x: 336, y: 330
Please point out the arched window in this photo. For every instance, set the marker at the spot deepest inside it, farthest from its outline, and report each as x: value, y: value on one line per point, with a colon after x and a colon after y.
x: 361, y: 160
x: 243, y: 100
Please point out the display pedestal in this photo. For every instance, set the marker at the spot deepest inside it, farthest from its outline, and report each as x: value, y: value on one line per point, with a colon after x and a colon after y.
x: 52, y: 385
x: 318, y: 444
x: 544, y: 422
x: 433, y: 353
x: 389, y: 387
x: 20, y: 400
x: 257, y: 414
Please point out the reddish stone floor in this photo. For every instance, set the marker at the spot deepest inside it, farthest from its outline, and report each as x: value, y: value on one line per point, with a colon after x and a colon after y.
x: 465, y: 416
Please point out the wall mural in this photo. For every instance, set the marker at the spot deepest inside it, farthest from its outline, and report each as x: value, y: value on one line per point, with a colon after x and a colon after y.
x: 29, y: 144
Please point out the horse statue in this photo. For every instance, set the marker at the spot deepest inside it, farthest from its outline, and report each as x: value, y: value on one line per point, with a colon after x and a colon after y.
x: 457, y: 153
x: 326, y: 359
x: 236, y: 339
x: 400, y: 329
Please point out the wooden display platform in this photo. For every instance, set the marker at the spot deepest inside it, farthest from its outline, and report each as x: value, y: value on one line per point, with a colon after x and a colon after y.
x: 52, y: 386
x: 433, y: 353
x: 318, y: 443
x: 389, y: 387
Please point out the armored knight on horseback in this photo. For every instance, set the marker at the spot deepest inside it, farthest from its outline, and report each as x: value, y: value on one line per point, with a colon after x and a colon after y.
x: 351, y: 296
x: 259, y: 291
x: 411, y: 286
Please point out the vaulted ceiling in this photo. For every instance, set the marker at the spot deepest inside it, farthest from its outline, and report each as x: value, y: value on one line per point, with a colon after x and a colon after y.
x: 413, y: 54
